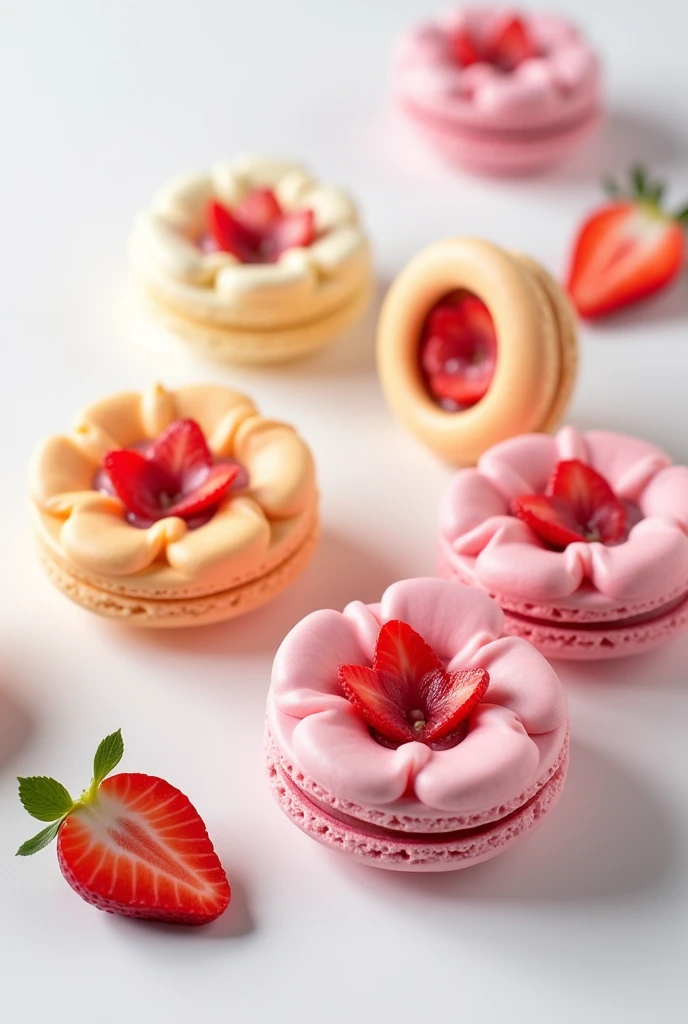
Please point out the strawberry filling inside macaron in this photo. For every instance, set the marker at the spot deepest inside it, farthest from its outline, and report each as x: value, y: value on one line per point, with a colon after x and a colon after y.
x: 408, y: 695
x: 458, y: 351
x: 174, y: 475
x: 506, y: 45
x: 257, y: 230
x: 578, y: 505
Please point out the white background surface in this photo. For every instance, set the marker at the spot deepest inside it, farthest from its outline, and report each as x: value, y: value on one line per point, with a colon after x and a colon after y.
x: 99, y: 104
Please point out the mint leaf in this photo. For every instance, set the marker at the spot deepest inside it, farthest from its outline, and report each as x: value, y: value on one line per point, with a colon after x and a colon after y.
x: 108, y: 756
x: 39, y: 841
x: 44, y: 798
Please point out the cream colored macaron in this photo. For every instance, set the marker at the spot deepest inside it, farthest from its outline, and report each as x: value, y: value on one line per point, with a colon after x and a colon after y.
x: 536, y: 347
x: 253, y: 305
x: 174, y: 508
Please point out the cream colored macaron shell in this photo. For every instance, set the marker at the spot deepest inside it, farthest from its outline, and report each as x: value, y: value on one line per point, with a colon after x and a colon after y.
x: 253, y: 312
x: 94, y: 551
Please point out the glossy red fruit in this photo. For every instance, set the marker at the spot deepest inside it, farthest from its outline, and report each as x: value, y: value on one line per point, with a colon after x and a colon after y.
x: 407, y: 694
x: 463, y: 48
x: 578, y: 505
x: 140, y: 849
x: 626, y: 251
x: 511, y: 45
x: 458, y: 351
x: 174, y: 476
x: 257, y: 230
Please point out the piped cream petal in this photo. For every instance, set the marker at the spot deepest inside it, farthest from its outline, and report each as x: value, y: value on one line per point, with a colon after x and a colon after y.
x: 279, y: 465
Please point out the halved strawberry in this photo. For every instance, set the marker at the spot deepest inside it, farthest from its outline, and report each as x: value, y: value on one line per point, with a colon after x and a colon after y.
x: 131, y: 844
x: 578, y: 505
x: 407, y: 695
x: 458, y: 351
x: 627, y: 250
x: 258, y: 231
x: 511, y: 45
x: 174, y: 476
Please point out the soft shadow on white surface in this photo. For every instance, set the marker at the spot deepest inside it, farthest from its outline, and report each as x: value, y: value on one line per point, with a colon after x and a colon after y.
x: 342, y: 570
x: 609, y: 837
x: 654, y: 672
x: 236, y: 922
x: 16, y: 726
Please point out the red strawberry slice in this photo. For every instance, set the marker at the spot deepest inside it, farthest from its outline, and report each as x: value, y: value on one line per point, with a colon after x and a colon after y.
x: 627, y: 250
x: 175, y: 476
x: 463, y: 48
x: 131, y: 844
x: 291, y: 231
x: 511, y: 45
x: 259, y: 209
x: 578, y: 505
x: 407, y: 695
x: 458, y: 351
x: 230, y: 234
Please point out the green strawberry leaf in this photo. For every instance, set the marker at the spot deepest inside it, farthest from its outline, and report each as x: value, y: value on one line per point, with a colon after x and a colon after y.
x: 39, y: 841
x: 44, y: 798
x: 108, y: 756
x: 612, y: 187
x: 639, y: 179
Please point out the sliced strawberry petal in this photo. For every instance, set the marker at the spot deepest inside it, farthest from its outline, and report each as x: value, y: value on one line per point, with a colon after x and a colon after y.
x: 138, y: 482
x: 231, y: 235
x: 181, y: 451
x: 549, y: 520
x: 449, y: 698
x: 404, y: 654
x: 259, y: 210
x: 592, y: 501
x: 291, y: 231
x: 380, y: 697
x: 511, y: 45
x: 210, y: 492
x: 463, y: 48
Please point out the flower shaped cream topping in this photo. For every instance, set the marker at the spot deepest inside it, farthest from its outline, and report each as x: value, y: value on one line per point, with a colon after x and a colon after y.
x: 541, y: 516
x: 193, y: 482
x: 418, y: 698
x: 258, y: 234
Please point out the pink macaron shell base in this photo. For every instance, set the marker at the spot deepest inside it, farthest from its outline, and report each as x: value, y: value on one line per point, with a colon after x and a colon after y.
x: 403, y: 851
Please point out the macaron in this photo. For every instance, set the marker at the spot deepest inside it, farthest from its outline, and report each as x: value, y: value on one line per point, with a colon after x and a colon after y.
x: 475, y: 345
x: 581, y: 538
x: 253, y: 261
x: 410, y: 734
x: 498, y: 92
x: 174, y: 508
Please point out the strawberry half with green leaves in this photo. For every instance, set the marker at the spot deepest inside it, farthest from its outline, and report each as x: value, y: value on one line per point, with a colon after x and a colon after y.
x: 174, y: 476
x: 578, y: 505
x: 131, y: 844
x: 458, y: 351
x: 407, y: 694
x: 258, y: 230
x: 627, y: 250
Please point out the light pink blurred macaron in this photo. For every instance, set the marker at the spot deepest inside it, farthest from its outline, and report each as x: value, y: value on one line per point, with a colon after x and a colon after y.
x: 414, y: 803
x: 496, y: 91
x: 592, y: 598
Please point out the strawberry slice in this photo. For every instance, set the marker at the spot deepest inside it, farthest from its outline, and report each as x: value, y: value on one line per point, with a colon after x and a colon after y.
x: 463, y: 48
x: 407, y: 695
x: 578, y: 505
x: 132, y: 844
x: 458, y: 351
x: 511, y: 45
x: 627, y: 250
x: 174, y: 476
x: 258, y: 231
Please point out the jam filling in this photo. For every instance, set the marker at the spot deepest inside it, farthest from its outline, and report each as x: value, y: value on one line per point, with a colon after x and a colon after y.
x: 458, y: 351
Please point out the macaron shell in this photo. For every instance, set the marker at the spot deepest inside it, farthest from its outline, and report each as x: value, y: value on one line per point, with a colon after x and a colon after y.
x: 402, y: 852
x: 536, y: 362
x: 181, y: 612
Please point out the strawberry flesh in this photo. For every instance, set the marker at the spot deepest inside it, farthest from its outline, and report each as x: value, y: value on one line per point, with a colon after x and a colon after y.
x: 257, y: 230
x: 175, y: 475
x: 578, y: 506
x: 505, y: 47
x: 407, y: 695
x: 458, y: 351
x: 140, y: 849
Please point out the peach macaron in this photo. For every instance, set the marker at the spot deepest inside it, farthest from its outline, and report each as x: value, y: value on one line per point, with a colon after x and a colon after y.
x: 174, y: 508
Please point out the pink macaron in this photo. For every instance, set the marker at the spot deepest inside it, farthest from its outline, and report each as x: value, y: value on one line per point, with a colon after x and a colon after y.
x: 411, y: 734
x: 498, y: 92
x: 581, y: 538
